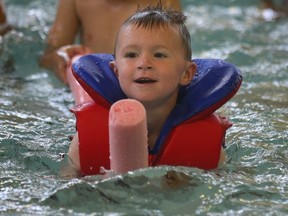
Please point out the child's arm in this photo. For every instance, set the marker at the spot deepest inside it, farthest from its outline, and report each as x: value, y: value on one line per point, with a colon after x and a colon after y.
x: 73, y: 153
x: 71, y: 167
x: 222, y: 159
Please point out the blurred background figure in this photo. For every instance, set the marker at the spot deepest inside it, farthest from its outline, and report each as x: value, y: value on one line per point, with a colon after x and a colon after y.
x: 4, y: 26
x: 273, y: 10
x: 92, y: 24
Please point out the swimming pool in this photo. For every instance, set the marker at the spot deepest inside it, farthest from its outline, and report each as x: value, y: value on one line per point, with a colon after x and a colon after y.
x: 36, y: 123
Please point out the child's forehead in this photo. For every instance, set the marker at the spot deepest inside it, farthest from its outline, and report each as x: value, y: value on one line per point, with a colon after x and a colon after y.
x: 139, y: 34
x: 154, y: 38
x: 133, y: 28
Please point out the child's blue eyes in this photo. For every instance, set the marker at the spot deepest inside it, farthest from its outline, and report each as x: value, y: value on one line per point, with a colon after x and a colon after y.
x: 134, y: 55
x: 130, y: 55
x: 160, y: 55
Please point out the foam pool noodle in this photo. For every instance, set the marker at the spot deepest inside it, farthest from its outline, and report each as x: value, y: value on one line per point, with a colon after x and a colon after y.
x: 128, y: 138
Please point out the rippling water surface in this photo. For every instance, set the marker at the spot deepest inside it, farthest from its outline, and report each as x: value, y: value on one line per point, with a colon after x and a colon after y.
x: 36, y: 124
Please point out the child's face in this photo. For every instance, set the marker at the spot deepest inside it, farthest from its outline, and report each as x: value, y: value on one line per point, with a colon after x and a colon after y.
x: 151, y: 65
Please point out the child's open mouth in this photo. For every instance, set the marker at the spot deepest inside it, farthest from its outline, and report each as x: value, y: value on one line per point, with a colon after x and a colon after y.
x: 144, y: 80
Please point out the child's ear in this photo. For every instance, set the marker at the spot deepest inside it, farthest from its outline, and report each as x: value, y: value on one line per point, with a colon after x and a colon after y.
x: 112, y: 65
x: 188, y: 74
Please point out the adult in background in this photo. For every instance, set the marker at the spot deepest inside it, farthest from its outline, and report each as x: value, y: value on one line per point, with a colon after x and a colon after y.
x: 94, y: 23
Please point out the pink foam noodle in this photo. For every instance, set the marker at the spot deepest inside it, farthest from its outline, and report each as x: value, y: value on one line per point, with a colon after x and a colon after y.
x: 79, y: 94
x: 128, y: 139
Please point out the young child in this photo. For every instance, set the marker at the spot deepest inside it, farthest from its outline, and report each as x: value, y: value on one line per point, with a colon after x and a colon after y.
x: 152, y: 60
x: 95, y: 22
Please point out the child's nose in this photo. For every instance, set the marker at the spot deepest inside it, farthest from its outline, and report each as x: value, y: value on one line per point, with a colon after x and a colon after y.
x: 144, y: 63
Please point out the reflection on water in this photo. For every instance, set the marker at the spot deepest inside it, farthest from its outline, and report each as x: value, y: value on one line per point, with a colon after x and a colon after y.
x: 36, y: 124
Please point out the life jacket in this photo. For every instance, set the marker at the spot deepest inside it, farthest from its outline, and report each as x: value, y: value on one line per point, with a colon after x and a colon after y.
x: 191, y: 136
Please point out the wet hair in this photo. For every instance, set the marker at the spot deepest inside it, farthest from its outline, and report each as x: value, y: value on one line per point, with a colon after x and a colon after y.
x: 152, y: 17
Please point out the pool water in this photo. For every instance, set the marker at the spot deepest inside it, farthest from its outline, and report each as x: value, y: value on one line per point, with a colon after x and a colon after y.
x: 36, y: 124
